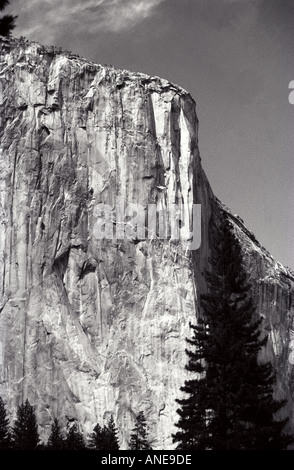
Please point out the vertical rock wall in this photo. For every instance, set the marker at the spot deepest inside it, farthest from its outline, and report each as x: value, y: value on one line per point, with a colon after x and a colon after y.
x: 91, y: 327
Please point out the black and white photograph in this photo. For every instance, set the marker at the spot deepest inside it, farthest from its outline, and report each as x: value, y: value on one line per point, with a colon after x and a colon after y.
x: 146, y: 228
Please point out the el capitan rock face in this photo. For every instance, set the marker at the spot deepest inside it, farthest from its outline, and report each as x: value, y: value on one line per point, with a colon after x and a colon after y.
x: 89, y: 327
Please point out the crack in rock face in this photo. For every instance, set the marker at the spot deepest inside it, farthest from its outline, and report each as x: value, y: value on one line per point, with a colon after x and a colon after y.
x: 91, y: 327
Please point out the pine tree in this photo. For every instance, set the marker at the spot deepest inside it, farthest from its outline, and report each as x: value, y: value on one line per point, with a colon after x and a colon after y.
x: 74, y: 439
x: 104, y: 438
x: 5, y: 437
x: 56, y: 440
x: 7, y: 22
x: 111, y: 435
x: 25, y: 429
x: 193, y: 434
x: 139, y: 436
x: 229, y: 402
x: 96, y: 439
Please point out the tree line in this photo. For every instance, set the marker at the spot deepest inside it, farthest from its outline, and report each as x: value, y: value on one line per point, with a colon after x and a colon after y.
x: 24, y: 434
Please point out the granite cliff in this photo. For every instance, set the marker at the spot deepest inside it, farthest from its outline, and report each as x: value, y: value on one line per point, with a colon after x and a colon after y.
x: 91, y: 327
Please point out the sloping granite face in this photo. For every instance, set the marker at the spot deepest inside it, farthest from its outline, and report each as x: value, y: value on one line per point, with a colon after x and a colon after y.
x: 91, y: 327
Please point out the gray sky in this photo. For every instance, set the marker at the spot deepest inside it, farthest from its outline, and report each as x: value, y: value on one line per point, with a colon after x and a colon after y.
x: 236, y: 59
